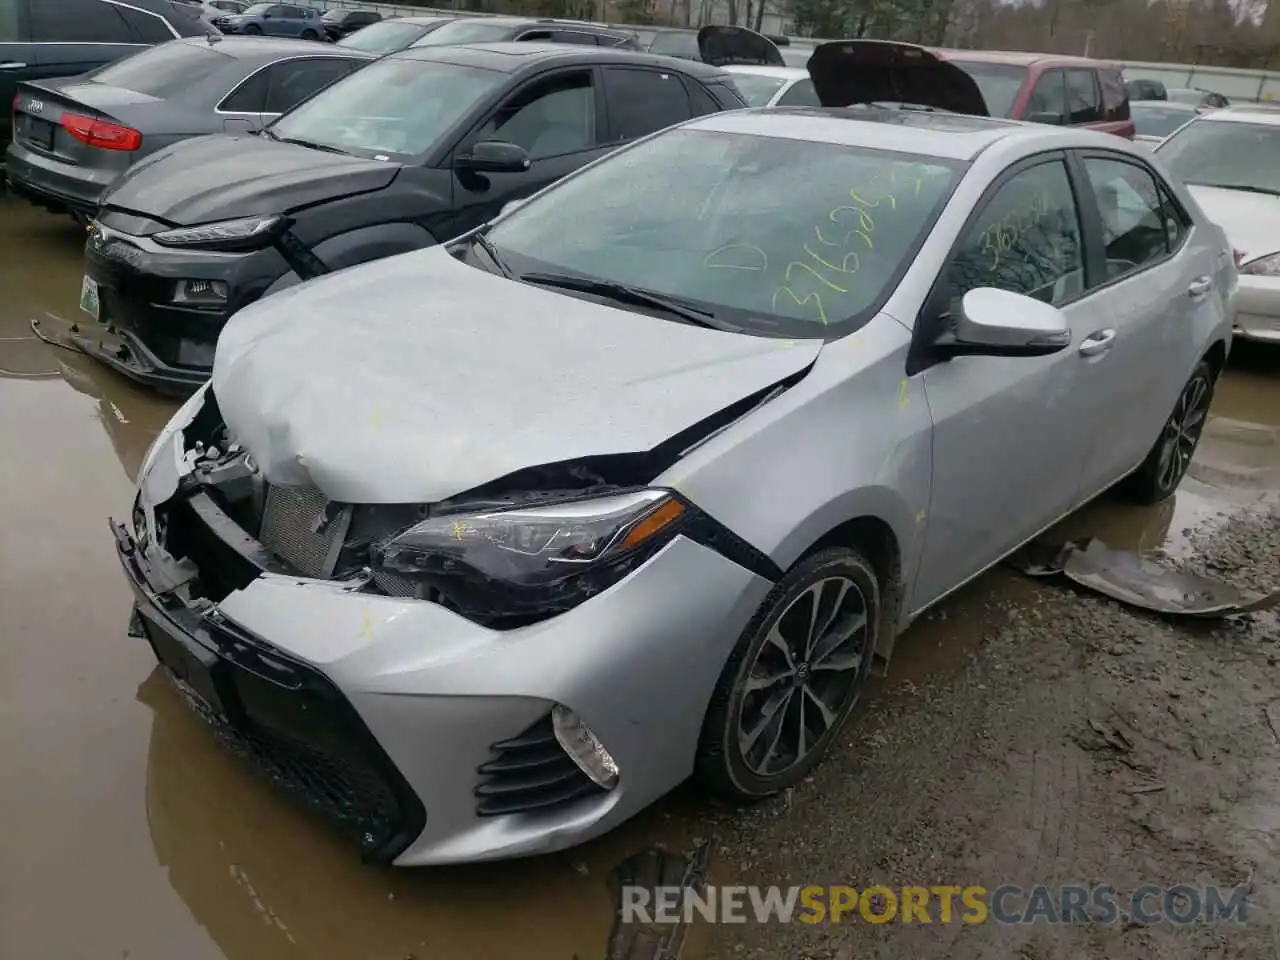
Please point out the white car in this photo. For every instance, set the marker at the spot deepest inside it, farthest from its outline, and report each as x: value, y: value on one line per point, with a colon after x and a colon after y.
x: 774, y: 86
x: 1230, y: 160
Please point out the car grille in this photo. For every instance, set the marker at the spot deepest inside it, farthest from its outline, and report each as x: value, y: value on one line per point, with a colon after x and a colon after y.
x: 304, y: 528
x: 530, y: 773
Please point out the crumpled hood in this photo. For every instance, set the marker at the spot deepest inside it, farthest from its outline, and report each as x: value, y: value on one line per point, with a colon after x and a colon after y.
x: 1251, y: 220
x: 417, y: 378
x: 222, y: 177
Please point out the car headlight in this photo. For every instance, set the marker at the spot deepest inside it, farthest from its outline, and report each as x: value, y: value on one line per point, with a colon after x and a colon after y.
x: 531, y: 562
x: 1268, y: 266
x: 244, y: 233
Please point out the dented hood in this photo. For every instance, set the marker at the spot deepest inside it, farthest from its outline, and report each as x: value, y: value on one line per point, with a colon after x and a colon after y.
x: 721, y: 46
x: 417, y: 378
x: 847, y: 72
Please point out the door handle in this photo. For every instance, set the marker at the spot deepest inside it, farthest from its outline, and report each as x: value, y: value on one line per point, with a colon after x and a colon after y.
x: 12, y: 65
x: 1200, y: 286
x: 1096, y: 343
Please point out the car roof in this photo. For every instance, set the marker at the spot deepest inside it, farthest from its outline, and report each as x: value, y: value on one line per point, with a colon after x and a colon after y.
x: 1243, y: 113
x: 1173, y: 106
x: 779, y: 73
x: 270, y: 48
x: 513, y: 56
x: 948, y: 136
x: 1016, y: 58
x: 424, y: 20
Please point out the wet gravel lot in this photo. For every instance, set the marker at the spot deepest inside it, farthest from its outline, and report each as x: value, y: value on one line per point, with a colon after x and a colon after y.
x: 988, y: 755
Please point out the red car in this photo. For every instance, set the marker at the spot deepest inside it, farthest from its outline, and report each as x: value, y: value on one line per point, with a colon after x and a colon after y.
x: 1046, y: 88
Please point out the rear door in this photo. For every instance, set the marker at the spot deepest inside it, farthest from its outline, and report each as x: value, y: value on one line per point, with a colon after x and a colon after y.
x: 642, y: 100
x: 1084, y: 99
x: 1047, y: 101
x: 558, y: 117
x: 17, y: 62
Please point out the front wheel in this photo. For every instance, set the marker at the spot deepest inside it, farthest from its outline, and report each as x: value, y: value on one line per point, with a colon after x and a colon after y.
x: 253, y: 30
x: 1167, y: 463
x: 309, y: 35
x: 794, y: 677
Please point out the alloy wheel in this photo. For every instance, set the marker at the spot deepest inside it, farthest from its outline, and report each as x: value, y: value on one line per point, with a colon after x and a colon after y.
x: 804, y: 676
x: 1182, y: 432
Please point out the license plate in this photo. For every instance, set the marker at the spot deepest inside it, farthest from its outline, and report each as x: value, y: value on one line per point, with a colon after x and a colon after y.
x: 38, y: 133
x: 90, y: 302
x: 189, y: 670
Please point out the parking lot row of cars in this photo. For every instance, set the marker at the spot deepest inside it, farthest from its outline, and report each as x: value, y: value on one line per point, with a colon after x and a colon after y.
x: 562, y: 430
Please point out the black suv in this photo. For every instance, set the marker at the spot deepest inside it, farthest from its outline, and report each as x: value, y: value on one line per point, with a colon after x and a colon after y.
x: 415, y: 149
x: 42, y: 39
x: 498, y: 29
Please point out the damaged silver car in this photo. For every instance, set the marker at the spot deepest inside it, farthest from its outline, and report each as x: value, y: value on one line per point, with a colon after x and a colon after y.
x: 484, y: 548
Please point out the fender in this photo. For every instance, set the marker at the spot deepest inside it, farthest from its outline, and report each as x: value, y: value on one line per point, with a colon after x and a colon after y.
x: 360, y: 246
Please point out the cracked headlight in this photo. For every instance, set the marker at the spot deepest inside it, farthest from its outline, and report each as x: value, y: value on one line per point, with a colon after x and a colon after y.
x: 529, y: 563
x: 244, y: 233
x: 1268, y: 266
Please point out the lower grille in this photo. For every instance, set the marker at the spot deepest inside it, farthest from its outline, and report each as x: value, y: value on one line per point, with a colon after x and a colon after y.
x: 304, y: 528
x: 530, y: 773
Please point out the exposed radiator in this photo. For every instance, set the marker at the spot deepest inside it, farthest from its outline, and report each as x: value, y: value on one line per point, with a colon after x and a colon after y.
x: 304, y: 529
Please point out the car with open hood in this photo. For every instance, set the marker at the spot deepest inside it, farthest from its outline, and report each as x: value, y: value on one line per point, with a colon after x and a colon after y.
x: 1230, y: 161
x: 409, y: 151
x: 720, y: 45
x: 481, y: 549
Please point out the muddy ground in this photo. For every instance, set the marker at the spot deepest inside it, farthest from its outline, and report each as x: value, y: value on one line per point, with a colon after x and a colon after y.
x: 1028, y: 733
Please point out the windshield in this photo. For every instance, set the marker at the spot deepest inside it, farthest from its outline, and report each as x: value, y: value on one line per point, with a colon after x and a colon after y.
x: 998, y: 82
x: 385, y: 37
x: 676, y: 45
x: 757, y: 90
x: 1225, y: 153
x: 163, y: 70
x: 465, y: 31
x: 390, y: 109
x: 1151, y: 121
x: 719, y: 221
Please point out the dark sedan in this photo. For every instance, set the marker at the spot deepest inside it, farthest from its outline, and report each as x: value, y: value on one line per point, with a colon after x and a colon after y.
x: 74, y: 137
x: 415, y: 149
x: 342, y: 23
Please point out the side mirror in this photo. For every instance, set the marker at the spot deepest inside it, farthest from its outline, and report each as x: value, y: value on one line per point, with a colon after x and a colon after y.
x: 1054, y: 119
x: 494, y: 156
x: 999, y: 323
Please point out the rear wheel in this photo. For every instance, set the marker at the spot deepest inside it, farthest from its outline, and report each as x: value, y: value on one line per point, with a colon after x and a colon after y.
x: 795, y: 676
x: 1167, y: 463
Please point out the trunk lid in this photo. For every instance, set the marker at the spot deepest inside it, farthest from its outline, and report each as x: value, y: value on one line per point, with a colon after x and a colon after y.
x: 222, y: 177
x: 848, y: 72
x: 41, y: 105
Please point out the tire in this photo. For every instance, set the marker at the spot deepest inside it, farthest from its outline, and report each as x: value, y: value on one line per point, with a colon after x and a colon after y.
x: 729, y: 762
x: 253, y: 30
x: 1167, y: 463
x: 309, y: 35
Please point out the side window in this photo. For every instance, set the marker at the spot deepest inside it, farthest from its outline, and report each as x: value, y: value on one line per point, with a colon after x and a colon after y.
x: 536, y: 36
x: 293, y: 81
x: 699, y: 99
x: 549, y: 118
x: 1133, y: 221
x: 9, y: 21
x: 1026, y: 239
x: 573, y: 36
x: 1177, y: 223
x: 801, y: 94
x: 279, y: 10
x: 1048, y: 97
x: 643, y: 101
x: 1115, y: 99
x: 78, y: 21
x: 249, y: 97
x: 146, y: 27
x: 1082, y: 97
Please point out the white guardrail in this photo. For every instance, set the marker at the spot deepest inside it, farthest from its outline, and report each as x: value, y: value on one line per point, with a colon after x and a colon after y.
x: 1235, y: 83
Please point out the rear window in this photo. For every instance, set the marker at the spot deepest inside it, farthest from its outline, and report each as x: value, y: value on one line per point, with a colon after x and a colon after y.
x: 757, y: 90
x: 1153, y: 121
x: 676, y: 45
x: 465, y: 31
x: 385, y: 37
x: 998, y: 82
x: 164, y: 70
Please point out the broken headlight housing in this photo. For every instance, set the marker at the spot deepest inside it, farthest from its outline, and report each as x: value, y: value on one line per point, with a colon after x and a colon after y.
x: 512, y: 566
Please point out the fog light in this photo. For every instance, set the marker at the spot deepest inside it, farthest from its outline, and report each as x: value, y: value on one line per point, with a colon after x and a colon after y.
x: 200, y: 291
x: 584, y: 747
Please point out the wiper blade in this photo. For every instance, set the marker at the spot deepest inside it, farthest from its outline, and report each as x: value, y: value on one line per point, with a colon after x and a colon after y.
x: 634, y: 295
x: 1242, y: 186
x: 490, y: 251
x: 310, y: 144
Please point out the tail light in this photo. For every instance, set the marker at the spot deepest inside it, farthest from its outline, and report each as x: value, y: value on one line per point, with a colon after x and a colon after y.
x: 101, y: 133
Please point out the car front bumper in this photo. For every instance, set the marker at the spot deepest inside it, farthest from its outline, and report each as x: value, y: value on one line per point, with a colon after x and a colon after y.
x: 143, y: 333
x: 408, y: 701
x: 1258, y: 309
x: 53, y: 184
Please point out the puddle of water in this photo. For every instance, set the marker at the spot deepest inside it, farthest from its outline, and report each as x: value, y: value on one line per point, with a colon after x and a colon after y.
x: 124, y: 813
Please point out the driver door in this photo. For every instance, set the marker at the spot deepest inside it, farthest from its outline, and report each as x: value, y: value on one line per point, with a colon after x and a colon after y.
x: 558, y: 118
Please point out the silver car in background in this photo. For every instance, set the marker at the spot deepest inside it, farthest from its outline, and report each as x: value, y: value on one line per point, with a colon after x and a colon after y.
x: 484, y: 548
x: 763, y: 86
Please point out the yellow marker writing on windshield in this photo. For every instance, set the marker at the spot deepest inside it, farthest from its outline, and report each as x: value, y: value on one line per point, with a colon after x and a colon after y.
x: 733, y: 265
x: 821, y: 279
x: 822, y: 313
x: 904, y: 393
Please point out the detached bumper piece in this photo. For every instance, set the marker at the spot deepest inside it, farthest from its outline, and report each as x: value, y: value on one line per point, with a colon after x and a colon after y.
x: 530, y: 773
x: 282, y: 715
